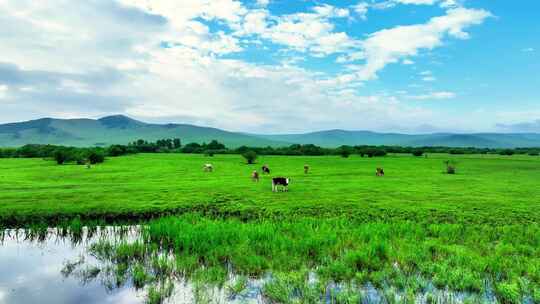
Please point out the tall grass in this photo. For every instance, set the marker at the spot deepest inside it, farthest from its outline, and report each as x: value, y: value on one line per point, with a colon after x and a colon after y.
x: 405, y: 256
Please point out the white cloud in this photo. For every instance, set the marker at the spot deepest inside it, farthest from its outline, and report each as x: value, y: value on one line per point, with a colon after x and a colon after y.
x: 390, y: 45
x: 442, y: 3
x: 361, y: 9
x: 407, y: 62
x: 434, y: 96
x: 429, y: 78
x: 263, y: 3
x: 528, y: 50
x: 3, y: 91
x: 311, y: 32
x: 190, y: 80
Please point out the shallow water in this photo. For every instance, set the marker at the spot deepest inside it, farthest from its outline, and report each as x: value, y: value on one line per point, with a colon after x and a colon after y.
x: 31, y: 272
x: 53, y: 269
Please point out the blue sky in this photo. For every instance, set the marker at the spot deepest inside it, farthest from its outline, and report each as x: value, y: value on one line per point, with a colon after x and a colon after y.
x: 276, y: 66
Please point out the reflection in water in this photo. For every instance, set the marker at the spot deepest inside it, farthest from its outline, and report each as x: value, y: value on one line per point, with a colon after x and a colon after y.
x: 54, y: 266
x: 31, y: 271
x: 111, y: 265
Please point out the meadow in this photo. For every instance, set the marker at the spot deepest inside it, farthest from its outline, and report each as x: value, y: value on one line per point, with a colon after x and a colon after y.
x: 417, y: 228
x: 486, y: 189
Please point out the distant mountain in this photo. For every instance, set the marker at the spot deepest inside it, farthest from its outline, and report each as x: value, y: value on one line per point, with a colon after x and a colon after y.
x: 119, y: 129
x: 334, y: 138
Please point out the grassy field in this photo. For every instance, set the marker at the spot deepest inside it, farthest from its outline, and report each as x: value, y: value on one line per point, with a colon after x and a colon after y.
x: 476, y: 232
x: 486, y: 189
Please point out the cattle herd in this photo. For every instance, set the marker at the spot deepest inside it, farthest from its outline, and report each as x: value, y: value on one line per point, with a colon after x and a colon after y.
x: 277, y: 182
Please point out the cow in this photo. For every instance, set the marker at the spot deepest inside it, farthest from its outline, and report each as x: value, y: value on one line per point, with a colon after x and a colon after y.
x: 306, y: 169
x: 255, y: 176
x: 208, y: 168
x: 380, y: 172
x: 280, y: 181
x: 265, y: 169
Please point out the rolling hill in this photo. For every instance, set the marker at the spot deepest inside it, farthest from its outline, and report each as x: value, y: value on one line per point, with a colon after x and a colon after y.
x: 119, y: 129
x: 116, y: 129
x: 334, y: 138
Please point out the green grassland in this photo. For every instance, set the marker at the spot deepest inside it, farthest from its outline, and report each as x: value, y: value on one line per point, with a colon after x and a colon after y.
x: 476, y: 232
x: 486, y: 189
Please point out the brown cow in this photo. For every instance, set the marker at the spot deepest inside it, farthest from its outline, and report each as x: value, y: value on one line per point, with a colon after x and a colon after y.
x: 255, y: 176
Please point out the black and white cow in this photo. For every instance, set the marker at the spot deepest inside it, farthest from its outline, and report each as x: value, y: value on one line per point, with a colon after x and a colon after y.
x: 280, y: 181
x: 265, y: 169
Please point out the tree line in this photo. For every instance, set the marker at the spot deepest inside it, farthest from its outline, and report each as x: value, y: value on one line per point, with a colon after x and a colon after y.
x: 63, y: 154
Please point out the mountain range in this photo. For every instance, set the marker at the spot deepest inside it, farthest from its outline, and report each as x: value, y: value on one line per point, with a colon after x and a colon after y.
x: 119, y: 129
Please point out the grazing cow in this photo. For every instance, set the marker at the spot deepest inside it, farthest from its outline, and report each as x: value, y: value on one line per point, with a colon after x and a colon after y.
x: 265, y: 169
x: 208, y: 168
x: 380, y: 172
x: 255, y: 176
x: 280, y: 181
x: 306, y: 169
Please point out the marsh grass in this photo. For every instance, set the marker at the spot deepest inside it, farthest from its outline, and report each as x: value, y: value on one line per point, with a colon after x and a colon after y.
x: 405, y: 260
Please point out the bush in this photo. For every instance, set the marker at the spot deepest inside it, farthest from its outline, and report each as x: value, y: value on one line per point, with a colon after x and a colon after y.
x: 507, y: 152
x: 250, y: 156
x: 450, y: 167
x: 418, y: 152
x: 345, y: 151
x: 534, y: 153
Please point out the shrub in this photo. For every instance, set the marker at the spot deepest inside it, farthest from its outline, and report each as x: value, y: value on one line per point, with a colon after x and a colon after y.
x: 450, y: 167
x: 250, y: 156
x: 418, y: 152
x: 345, y: 153
x: 507, y: 152
x: 534, y: 153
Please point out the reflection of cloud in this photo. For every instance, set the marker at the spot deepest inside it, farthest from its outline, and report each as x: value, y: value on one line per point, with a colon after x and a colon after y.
x: 30, y: 273
x: 2, y: 296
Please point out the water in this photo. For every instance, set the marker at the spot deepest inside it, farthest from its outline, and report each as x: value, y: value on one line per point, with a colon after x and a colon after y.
x: 31, y: 272
x: 55, y: 267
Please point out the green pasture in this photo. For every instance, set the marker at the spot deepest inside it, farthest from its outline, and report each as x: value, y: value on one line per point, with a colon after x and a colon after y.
x: 486, y: 189
x: 476, y: 232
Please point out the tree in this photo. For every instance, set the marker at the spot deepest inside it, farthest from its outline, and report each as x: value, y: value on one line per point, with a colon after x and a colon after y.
x: 95, y: 157
x: 60, y: 156
x: 117, y: 150
x: 215, y: 145
x: 177, y: 143
x: 250, y: 156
